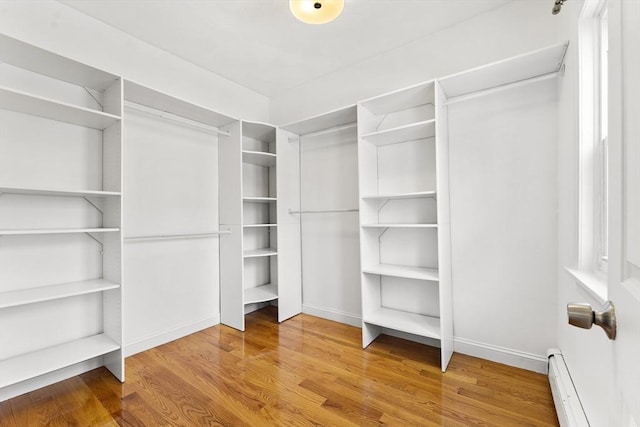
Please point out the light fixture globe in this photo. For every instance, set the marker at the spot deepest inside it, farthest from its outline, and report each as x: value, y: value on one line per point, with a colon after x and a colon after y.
x: 316, y: 11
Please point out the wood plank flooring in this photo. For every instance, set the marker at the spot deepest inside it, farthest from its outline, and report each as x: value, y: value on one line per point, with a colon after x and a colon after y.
x: 306, y: 371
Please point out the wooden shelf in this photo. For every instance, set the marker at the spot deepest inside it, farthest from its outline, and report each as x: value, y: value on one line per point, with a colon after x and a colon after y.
x: 259, y: 158
x: 58, y: 231
x: 390, y: 196
x: 54, y: 192
x: 30, y: 365
x: 411, y: 132
x: 403, y: 321
x: 402, y: 99
x: 407, y: 272
x: 34, y: 105
x: 52, y: 292
x: 32, y: 58
x: 254, y: 253
x: 260, y: 294
x: 259, y: 199
x: 259, y: 225
x: 399, y: 225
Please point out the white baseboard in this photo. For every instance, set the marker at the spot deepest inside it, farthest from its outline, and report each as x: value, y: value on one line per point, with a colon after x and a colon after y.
x: 50, y: 378
x: 163, y: 337
x: 331, y: 314
x: 565, y: 397
x: 507, y: 356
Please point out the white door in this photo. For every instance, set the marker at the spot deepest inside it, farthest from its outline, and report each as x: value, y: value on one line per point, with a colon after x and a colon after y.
x: 624, y: 207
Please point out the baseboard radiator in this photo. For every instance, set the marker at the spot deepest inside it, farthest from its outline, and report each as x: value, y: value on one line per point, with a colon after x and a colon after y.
x: 568, y: 406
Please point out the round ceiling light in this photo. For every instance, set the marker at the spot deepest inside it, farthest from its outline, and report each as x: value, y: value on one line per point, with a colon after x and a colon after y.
x: 316, y: 11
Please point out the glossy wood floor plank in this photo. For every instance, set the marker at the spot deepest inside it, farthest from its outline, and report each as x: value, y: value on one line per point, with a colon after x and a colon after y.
x: 306, y: 371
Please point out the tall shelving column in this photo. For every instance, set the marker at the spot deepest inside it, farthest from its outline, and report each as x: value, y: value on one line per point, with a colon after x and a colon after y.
x: 60, y: 218
x: 404, y: 237
x: 253, y: 270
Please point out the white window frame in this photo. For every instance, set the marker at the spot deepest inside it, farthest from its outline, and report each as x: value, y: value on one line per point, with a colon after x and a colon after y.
x: 593, y: 167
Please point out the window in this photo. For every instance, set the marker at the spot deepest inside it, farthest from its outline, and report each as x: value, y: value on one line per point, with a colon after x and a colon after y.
x: 593, y: 206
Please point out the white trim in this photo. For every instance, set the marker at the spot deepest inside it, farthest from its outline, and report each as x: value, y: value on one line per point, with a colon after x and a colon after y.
x: 595, y: 284
x: 507, y: 356
x: 565, y: 397
x: 331, y: 314
x: 168, y: 335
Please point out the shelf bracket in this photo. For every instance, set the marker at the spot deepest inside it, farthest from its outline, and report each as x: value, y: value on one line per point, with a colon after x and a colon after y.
x: 91, y: 95
x: 382, y: 234
x: 93, y: 204
x: 99, y: 242
x: 383, y: 205
x: 384, y: 117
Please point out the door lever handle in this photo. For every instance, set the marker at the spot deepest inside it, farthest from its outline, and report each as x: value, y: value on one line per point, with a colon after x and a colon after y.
x: 583, y: 316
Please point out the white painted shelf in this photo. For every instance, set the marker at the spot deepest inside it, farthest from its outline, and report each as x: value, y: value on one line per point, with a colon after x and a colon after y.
x: 402, y: 99
x: 254, y: 253
x: 57, y: 231
x: 399, y: 225
x: 40, y: 362
x: 412, y: 323
x: 259, y: 225
x: 323, y: 122
x: 410, y: 132
x: 259, y: 158
x: 260, y: 294
x: 416, y: 195
x: 23, y: 102
x: 52, y: 292
x: 259, y: 199
x: 404, y: 271
x: 54, y: 192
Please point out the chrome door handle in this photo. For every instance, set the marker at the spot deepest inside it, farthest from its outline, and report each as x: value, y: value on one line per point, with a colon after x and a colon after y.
x: 583, y: 316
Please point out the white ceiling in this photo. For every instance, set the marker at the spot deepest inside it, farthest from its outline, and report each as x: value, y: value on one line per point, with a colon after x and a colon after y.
x: 260, y: 45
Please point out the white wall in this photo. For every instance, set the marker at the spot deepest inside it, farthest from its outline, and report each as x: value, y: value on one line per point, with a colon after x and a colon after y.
x: 63, y: 30
x: 515, y: 28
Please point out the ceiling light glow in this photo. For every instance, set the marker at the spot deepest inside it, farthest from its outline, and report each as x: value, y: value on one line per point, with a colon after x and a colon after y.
x: 316, y: 11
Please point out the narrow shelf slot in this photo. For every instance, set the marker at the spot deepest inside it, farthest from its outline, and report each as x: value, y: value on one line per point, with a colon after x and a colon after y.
x: 54, y: 192
x: 411, y: 132
x: 399, y: 225
x: 259, y: 158
x: 419, y: 273
x: 403, y: 321
x: 390, y: 196
x: 260, y: 294
x: 31, y: 365
x: 259, y: 225
x: 52, y: 292
x: 34, y: 105
x: 58, y: 231
x: 254, y: 253
x: 259, y: 199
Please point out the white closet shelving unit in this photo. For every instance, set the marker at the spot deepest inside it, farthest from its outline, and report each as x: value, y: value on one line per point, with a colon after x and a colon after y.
x: 260, y: 258
x: 406, y: 275
x: 60, y: 218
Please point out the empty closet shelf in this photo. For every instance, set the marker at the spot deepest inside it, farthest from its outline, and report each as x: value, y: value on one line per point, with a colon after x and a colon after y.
x: 259, y: 225
x: 414, y: 195
x: 260, y: 294
x: 30, y: 365
x: 23, y: 102
x: 57, y: 231
x: 259, y: 158
x: 403, y: 271
x: 399, y: 225
x: 403, y: 321
x: 259, y: 199
x: 52, y: 292
x: 54, y: 192
x: 254, y: 253
x: 411, y: 132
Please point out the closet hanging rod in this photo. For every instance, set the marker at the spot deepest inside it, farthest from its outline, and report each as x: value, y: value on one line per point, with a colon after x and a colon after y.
x: 178, y: 236
x: 324, y: 131
x: 173, y: 117
x: 495, y: 89
x: 323, y: 211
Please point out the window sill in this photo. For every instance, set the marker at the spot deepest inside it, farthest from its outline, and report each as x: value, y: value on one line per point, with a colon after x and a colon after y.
x: 593, y: 283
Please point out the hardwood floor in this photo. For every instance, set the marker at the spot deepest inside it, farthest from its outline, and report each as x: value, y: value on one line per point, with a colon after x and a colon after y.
x: 304, y: 372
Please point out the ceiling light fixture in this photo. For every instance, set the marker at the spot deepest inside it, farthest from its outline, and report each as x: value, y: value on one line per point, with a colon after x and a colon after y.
x: 316, y: 11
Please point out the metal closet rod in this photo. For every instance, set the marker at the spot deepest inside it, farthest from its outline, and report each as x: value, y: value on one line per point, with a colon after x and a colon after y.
x: 324, y: 131
x: 173, y: 117
x: 178, y: 236
x: 323, y: 211
x: 500, y: 88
